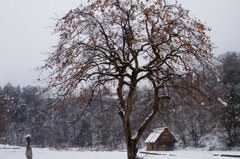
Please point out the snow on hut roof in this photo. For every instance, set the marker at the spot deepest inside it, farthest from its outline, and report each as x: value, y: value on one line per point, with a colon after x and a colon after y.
x: 154, y: 135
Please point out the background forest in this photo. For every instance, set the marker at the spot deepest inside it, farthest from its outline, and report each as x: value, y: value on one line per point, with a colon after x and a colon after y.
x: 214, y: 124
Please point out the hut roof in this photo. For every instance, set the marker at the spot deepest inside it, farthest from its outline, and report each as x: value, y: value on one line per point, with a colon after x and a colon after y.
x: 154, y: 135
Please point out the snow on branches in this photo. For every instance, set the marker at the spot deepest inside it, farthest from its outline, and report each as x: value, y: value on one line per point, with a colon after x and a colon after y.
x: 108, y: 39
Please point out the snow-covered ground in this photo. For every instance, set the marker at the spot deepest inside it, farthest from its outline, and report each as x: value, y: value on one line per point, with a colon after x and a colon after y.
x: 11, y: 152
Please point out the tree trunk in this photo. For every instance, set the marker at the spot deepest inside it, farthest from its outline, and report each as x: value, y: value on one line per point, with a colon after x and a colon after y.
x: 130, y: 143
x: 132, y: 149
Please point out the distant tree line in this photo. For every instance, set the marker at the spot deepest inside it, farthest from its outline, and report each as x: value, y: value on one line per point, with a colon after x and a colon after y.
x: 26, y: 111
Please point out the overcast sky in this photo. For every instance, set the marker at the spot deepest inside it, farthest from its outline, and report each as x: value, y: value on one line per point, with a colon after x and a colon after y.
x: 26, y: 34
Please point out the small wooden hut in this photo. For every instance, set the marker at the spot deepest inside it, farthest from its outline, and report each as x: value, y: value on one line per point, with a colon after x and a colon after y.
x: 160, y: 140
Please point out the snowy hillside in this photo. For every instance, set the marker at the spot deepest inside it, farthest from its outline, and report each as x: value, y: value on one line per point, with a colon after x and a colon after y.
x: 10, y: 152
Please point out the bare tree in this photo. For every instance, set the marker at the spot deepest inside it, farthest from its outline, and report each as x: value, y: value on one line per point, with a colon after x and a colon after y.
x: 5, y: 116
x: 120, y: 45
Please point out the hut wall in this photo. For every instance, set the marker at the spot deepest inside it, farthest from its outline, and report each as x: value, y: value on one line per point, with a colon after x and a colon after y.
x: 149, y: 147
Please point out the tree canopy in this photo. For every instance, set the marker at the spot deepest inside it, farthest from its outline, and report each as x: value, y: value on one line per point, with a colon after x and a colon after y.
x: 117, y: 46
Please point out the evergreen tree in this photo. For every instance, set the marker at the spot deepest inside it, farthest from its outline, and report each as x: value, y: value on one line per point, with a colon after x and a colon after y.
x: 230, y: 116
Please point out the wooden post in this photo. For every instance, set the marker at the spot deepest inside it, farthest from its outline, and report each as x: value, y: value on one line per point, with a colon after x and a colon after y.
x: 29, y: 149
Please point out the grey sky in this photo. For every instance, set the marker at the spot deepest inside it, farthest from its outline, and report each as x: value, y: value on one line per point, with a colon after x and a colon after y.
x: 25, y: 33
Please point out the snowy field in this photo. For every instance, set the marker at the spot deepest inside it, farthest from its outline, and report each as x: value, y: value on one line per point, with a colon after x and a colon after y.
x: 10, y: 152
